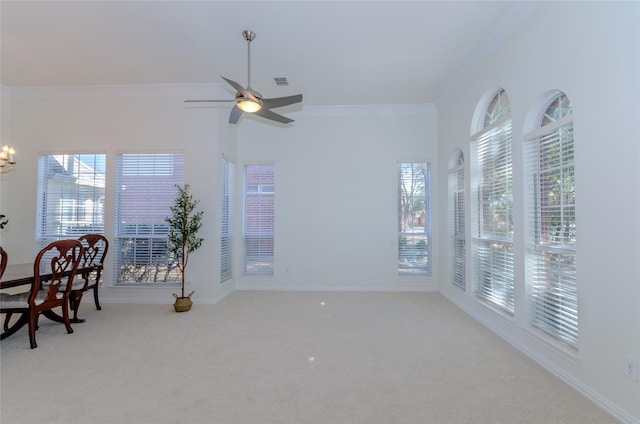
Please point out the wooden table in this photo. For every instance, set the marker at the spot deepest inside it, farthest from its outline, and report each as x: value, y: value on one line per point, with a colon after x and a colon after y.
x: 21, y: 275
x: 17, y: 275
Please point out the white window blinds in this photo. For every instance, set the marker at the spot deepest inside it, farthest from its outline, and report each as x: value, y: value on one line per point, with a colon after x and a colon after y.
x: 457, y: 226
x: 259, y: 219
x: 145, y: 189
x: 226, y: 230
x: 414, y: 218
x: 492, y: 209
x: 70, y: 196
x: 551, y: 217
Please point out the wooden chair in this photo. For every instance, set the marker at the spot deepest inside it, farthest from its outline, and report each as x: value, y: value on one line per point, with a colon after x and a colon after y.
x: 4, y: 258
x: 95, y: 249
x: 56, y: 265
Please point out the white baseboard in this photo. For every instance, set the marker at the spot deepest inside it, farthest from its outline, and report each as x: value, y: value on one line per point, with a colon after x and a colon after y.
x: 261, y: 287
x: 157, y: 296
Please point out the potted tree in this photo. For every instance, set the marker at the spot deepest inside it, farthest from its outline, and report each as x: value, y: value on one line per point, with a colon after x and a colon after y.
x: 184, y: 224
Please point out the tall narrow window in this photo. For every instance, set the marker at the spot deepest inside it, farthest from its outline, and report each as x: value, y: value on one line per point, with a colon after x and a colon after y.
x: 551, y: 239
x: 70, y: 196
x: 226, y: 230
x: 492, y: 207
x: 145, y: 189
x: 259, y: 219
x: 456, y: 223
x: 414, y: 218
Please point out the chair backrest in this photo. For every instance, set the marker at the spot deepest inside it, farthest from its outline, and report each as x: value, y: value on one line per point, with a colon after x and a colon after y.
x: 57, y: 264
x: 4, y: 258
x: 95, y: 249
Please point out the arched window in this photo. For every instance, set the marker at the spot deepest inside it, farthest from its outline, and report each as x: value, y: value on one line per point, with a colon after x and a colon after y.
x: 498, y: 108
x: 492, y: 205
x: 456, y: 221
x: 551, y: 220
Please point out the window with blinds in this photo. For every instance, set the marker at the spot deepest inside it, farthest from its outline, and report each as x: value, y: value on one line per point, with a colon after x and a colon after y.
x: 258, y: 219
x: 70, y: 196
x: 456, y: 223
x: 145, y: 189
x: 492, y: 208
x: 551, y: 218
x: 414, y: 218
x: 226, y: 230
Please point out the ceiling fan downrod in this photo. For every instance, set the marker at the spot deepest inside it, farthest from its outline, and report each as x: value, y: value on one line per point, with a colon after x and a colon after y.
x: 249, y: 36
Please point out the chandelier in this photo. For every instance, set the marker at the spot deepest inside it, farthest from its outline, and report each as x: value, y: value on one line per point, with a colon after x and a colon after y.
x: 7, y: 162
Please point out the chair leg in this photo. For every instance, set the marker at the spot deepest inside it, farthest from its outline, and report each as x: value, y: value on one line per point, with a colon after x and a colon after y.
x: 7, y: 318
x: 33, y: 323
x: 21, y: 322
x: 75, y: 297
x: 65, y: 317
x: 74, y: 303
x: 95, y: 297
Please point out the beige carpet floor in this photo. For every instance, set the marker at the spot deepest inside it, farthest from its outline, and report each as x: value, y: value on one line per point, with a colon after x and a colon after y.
x: 281, y: 357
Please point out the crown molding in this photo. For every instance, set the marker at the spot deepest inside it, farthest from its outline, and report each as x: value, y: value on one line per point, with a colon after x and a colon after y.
x: 203, y: 91
x: 184, y: 90
x: 380, y: 109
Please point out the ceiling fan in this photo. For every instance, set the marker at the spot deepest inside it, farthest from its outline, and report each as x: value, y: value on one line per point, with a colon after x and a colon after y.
x: 250, y: 101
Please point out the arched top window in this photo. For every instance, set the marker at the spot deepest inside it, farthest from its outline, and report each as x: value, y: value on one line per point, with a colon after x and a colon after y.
x: 553, y: 110
x: 498, y: 108
x: 559, y: 107
x: 493, y: 109
x: 456, y: 160
x: 492, y: 203
x: 460, y: 158
x: 457, y: 220
x: 549, y: 163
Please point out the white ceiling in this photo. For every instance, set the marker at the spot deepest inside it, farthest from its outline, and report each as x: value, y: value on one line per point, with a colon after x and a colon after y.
x: 334, y: 52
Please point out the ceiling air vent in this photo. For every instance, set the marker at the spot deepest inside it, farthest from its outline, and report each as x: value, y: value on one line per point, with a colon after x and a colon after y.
x: 281, y: 81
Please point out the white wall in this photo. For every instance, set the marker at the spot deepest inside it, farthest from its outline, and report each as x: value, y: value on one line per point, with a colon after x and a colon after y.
x: 336, y: 176
x: 336, y: 204
x: 589, y: 50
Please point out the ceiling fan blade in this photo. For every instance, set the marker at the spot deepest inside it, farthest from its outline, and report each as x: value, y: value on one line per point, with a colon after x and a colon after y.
x: 235, y: 115
x: 245, y: 95
x: 196, y: 101
x: 266, y: 113
x: 282, y: 101
x: 240, y: 89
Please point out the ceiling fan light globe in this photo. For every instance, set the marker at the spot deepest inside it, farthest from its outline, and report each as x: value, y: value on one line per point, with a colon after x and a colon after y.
x: 249, y: 106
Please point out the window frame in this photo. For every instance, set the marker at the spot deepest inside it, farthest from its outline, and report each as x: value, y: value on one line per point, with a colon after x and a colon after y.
x: 492, y: 207
x: 551, y: 262
x: 457, y: 224
x: 411, y: 257
x: 140, y: 242
x: 258, y: 226
x: 71, y: 217
x: 227, y: 221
